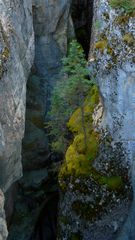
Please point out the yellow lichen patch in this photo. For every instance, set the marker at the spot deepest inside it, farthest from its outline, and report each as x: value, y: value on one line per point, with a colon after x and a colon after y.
x: 110, y: 51
x: 122, y: 20
x: 101, y: 45
x: 129, y: 38
x: 5, y: 53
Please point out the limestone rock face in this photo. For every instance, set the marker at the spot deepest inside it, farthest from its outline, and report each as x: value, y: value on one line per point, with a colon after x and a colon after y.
x: 113, y: 66
x: 16, y: 57
x: 3, y: 227
x: 51, y: 18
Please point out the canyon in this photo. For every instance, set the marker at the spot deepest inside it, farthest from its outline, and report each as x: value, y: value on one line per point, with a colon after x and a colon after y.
x: 34, y: 37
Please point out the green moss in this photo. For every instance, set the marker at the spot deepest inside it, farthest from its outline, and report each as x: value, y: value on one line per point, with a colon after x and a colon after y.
x: 97, y: 24
x: 101, y: 45
x: 5, y: 53
x: 3, y: 58
x: 127, y: 5
x: 75, y: 122
x: 122, y: 19
x: 63, y: 219
x: 5, y: 37
x: 113, y: 182
x: 87, y: 211
x: 1, y: 70
x: 78, y: 157
x: 75, y: 236
x: 129, y: 38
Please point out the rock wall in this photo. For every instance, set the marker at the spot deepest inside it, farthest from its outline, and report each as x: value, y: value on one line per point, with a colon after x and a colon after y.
x: 3, y: 227
x: 112, y: 63
x: 16, y: 58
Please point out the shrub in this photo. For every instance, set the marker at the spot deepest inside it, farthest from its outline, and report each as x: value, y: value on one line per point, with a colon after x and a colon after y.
x: 127, y: 5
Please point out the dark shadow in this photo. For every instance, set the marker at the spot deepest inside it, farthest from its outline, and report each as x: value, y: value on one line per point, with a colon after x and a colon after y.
x: 46, y: 227
x: 82, y: 15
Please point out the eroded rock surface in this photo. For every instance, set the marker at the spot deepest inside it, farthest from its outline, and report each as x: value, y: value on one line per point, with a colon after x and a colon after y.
x: 16, y: 58
x: 112, y: 60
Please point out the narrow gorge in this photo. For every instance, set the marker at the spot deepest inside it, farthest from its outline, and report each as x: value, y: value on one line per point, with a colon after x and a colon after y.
x: 87, y: 191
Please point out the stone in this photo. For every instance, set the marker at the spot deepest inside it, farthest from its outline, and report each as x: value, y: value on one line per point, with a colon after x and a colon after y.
x: 16, y: 58
x: 34, y: 179
x: 3, y: 226
x: 115, y: 78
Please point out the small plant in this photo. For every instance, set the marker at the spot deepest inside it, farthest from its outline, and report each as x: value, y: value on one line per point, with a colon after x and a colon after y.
x: 68, y: 94
x: 127, y: 5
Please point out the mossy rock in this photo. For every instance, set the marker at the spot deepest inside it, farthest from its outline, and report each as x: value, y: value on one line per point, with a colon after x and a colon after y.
x: 129, y: 39
x: 127, y: 5
x: 101, y: 45
x: 113, y: 182
x: 87, y: 211
x: 75, y: 122
x: 122, y: 19
x: 64, y: 220
x: 5, y: 53
x: 75, y: 236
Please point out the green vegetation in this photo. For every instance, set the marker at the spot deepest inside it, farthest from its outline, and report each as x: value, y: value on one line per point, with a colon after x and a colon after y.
x: 69, y: 94
x: 78, y: 159
x: 127, y: 5
x: 73, y: 102
x: 75, y: 236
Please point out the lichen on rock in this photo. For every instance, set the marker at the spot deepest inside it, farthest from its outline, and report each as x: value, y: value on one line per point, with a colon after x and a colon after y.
x: 90, y: 181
